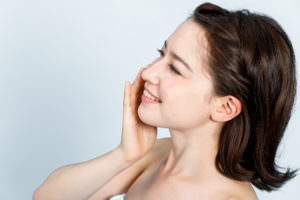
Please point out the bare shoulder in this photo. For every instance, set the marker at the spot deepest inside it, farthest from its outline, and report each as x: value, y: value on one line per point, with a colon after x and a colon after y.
x: 243, y: 194
x: 241, y: 198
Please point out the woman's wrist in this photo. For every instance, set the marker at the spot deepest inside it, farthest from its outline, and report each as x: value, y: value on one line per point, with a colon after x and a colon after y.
x: 127, y: 159
x: 122, y: 155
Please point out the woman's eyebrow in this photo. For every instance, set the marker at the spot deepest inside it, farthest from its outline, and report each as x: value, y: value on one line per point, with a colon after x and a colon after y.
x: 178, y: 58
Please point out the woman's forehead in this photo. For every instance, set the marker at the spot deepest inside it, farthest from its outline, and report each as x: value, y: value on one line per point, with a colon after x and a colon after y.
x: 189, y: 41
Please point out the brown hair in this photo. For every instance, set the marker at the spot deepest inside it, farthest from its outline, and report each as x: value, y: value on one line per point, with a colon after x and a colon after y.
x: 252, y: 59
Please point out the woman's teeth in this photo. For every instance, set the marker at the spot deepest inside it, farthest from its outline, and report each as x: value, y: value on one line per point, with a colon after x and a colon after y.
x: 150, y: 96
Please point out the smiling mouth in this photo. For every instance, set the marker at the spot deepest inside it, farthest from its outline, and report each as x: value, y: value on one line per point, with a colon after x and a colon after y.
x: 148, y: 99
x: 150, y: 96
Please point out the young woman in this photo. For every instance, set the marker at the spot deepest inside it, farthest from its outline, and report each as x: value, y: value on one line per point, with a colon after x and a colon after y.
x: 224, y: 85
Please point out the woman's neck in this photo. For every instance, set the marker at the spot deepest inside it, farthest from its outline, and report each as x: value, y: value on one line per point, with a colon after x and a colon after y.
x: 192, y: 154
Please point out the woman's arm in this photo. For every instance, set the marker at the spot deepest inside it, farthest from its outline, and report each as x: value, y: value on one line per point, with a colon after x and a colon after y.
x: 122, y: 182
x: 118, y: 180
x: 79, y: 181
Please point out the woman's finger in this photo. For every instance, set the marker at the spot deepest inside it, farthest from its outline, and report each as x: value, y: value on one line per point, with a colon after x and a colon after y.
x: 139, y: 82
x: 139, y: 77
x: 126, y: 99
x: 135, y: 80
x: 138, y: 89
x: 133, y: 91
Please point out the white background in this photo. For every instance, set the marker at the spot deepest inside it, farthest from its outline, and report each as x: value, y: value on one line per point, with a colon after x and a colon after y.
x: 63, y: 65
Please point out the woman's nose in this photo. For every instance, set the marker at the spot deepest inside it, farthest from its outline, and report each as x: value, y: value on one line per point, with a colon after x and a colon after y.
x: 149, y: 75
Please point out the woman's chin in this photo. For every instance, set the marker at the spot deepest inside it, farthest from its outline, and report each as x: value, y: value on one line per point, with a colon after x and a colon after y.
x: 146, y: 117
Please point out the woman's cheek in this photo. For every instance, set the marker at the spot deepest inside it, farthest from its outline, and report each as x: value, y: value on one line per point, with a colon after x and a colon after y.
x: 167, y: 90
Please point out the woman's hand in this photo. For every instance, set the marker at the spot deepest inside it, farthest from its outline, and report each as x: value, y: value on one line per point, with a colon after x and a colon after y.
x: 137, y: 137
x: 80, y: 181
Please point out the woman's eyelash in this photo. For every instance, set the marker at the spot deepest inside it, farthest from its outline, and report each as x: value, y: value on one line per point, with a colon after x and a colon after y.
x: 172, y: 68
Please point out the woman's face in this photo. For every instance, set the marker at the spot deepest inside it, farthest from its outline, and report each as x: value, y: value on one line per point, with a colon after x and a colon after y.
x: 185, y: 97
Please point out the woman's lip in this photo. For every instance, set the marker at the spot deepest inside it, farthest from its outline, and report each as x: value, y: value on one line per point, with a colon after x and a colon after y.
x: 148, y: 100
x: 152, y: 94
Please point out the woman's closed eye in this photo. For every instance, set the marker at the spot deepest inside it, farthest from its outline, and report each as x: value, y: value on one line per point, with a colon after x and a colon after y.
x: 171, y: 67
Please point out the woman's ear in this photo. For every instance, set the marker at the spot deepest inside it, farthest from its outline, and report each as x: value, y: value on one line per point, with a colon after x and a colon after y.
x: 226, y: 108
